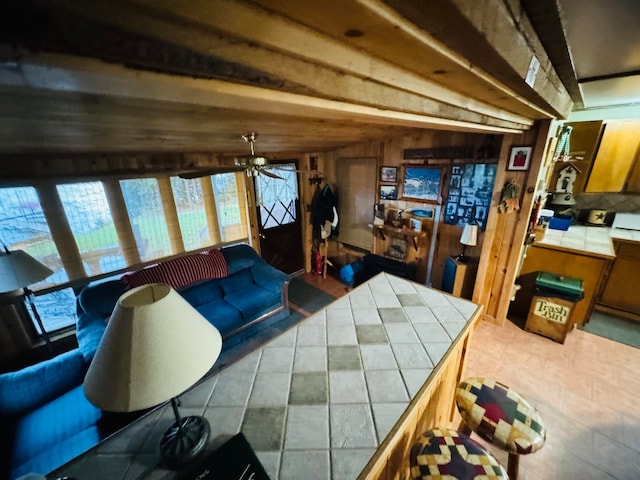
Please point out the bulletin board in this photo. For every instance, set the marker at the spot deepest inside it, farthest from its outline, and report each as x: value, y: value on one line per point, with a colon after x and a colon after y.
x: 469, y: 193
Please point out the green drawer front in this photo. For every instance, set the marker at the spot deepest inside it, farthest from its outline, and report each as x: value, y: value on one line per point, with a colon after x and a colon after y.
x: 562, y: 285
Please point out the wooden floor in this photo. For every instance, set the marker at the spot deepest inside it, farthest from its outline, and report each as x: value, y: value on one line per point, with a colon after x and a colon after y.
x: 586, y: 391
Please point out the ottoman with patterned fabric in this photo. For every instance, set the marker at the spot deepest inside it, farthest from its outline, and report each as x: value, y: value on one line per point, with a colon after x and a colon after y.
x: 501, y: 416
x: 447, y: 454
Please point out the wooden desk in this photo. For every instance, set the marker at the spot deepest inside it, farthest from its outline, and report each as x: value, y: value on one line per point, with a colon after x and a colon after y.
x: 342, y: 395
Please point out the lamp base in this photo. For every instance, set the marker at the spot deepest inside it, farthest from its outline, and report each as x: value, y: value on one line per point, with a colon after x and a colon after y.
x: 182, y: 443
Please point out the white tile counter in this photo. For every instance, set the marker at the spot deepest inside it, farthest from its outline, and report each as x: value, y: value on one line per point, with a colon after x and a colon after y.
x: 319, y: 401
x: 582, y: 239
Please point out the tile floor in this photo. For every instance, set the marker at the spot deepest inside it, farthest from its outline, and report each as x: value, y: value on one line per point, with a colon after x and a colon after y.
x: 587, y: 391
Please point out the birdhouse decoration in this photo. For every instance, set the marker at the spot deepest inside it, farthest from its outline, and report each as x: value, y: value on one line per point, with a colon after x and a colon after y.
x: 566, y: 178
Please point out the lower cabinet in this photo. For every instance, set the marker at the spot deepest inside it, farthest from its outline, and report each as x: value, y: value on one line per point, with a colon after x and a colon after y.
x: 459, y: 277
x: 623, y: 285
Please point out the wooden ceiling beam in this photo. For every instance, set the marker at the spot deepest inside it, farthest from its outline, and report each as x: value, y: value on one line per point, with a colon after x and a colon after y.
x: 330, y: 69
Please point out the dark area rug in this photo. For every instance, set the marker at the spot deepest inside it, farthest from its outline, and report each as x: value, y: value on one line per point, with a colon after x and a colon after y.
x: 307, y: 297
x: 614, y: 328
x: 302, y: 295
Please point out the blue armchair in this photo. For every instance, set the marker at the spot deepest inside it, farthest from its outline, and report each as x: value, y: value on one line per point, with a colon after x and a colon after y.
x: 46, y: 418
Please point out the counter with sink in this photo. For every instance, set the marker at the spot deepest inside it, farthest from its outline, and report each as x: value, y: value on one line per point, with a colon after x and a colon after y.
x: 606, y: 259
x: 579, y: 252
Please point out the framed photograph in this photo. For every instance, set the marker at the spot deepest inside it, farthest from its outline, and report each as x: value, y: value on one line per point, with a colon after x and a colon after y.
x: 389, y: 174
x: 422, y: 183
x: 388, y: 192
x: 519, y: 158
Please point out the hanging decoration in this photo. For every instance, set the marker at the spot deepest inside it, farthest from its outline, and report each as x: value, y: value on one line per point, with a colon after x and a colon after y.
x: 509, y: 200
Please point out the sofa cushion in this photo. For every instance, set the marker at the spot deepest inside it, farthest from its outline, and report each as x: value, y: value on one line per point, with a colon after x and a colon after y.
x: 240, y: 257
x: 254, y: 301
x: 89, y: 332
x: 239, y: 281
x: 52, y: 424
x: 221, y: 315
x: 38, y: 384
x: 179, y: 272
x: 60, y: 453
x: 202, y: 292
x: 99, y: 299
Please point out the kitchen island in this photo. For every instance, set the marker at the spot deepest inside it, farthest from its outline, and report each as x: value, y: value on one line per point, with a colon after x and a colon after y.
x: 342, y: 395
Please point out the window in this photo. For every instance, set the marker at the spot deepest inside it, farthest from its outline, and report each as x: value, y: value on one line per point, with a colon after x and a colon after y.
x: 87, y: 211
x: 228, y: 189
x: 276, y: 196
x: 23, y: 227
x: 146, y: 214
x: 80, y: 230
x: 192, y: 215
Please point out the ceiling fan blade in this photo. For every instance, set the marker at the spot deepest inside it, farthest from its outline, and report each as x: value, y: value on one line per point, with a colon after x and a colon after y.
x: 310, y: 172
x: 210, y: 171
x: 264, y: 171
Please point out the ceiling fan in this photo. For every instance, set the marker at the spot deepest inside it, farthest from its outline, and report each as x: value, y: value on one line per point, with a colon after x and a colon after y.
x: 252, y: 164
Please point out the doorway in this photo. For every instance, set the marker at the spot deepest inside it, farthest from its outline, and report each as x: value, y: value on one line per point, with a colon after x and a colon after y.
x: 279, y: 218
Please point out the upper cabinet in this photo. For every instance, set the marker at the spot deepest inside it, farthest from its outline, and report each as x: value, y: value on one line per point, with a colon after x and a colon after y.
x: 614, y: 168
x: 584, y: 140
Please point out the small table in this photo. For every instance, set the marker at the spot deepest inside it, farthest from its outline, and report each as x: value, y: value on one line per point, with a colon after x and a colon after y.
x: 342, y: 395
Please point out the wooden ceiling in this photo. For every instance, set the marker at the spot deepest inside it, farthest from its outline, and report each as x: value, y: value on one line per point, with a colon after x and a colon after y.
x: 163, y: 76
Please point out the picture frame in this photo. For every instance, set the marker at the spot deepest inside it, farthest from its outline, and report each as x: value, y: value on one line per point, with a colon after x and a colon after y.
x: 422, y: 183
x: 519, y: 158
x: 389, y: 174
x: 388, y: 192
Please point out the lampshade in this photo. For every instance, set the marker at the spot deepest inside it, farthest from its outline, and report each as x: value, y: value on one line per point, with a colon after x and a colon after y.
x: 18, y: 269
x: 469, y: 235
x: 155, y: 347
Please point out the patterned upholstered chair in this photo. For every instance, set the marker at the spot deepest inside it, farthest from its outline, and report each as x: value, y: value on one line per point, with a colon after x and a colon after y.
x: 502, y: 417
x: 444, y: 453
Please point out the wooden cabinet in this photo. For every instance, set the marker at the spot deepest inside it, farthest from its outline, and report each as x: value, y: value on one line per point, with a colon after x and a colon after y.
x: 621, y: 291
x: 585, y: 137
x: 459, y: 277
x: 404, y: 245
x: 615, y: 157
x: 591, y: 268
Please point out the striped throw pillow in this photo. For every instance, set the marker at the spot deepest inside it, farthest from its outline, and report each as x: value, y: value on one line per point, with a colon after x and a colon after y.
x: 180, y: 272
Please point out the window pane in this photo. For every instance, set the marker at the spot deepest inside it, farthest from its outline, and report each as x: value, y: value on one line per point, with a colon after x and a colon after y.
x: 192, y: 215
x: 87, y: 210
x: 231, y: 213
x: 24, y: 227
x: 57, y: 310
x: 144, y: 205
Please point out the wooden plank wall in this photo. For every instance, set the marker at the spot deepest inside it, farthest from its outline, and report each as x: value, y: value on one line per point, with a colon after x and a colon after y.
x: 500, y: 246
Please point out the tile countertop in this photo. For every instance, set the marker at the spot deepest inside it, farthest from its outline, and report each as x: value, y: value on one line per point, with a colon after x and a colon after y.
x: 595, y: 241
x: 317, y: 401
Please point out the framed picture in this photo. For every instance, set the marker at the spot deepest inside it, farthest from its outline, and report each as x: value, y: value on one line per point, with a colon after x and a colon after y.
x: 389, y: 174
x: 388, y: 192
x: 422, y: 183
x: 519, y: 158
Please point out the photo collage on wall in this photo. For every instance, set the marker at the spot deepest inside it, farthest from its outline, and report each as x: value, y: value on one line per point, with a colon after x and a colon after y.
x: 469, y: 197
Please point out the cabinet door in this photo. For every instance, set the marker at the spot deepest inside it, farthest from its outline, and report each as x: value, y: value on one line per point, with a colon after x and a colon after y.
x: 621, y: 289
x: 615, y: 156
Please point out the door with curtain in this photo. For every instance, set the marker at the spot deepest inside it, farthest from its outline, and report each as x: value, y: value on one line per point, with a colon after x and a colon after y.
x: 279, y: 217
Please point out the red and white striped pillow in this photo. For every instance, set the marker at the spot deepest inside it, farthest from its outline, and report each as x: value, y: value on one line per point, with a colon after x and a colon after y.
x: 180, y: 272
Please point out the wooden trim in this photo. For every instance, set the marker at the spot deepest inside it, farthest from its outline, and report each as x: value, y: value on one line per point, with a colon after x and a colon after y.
x: 122, y: 221
x: 171, y: 214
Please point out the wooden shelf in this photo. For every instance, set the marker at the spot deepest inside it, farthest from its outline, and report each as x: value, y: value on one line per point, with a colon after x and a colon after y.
x: 399, y: 232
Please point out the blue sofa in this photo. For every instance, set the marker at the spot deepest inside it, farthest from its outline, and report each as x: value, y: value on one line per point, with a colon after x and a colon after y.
x: 46, y: 419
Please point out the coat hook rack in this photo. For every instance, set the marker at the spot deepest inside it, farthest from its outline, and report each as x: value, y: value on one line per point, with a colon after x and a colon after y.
x: 315, y: 179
